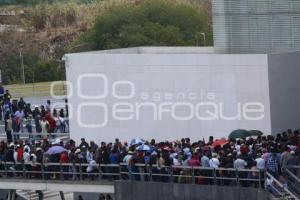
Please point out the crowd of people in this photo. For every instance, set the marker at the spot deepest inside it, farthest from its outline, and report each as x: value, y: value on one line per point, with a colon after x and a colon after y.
x: 20, y: 116
x: 264, y: 153
x: 258, y: 154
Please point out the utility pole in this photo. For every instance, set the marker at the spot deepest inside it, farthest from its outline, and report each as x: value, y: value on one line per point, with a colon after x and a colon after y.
x: 204, y: 38
x: 22, y: 67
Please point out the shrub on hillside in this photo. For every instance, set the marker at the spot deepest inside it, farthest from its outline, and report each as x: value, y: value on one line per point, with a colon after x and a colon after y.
x: 147, y: 23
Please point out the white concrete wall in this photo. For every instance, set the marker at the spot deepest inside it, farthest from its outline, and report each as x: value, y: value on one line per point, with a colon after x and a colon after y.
x: 232, y: 79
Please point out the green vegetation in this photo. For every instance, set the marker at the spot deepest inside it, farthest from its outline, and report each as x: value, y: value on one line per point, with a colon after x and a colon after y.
x: 36, y: 2
x: 148, y: 23
x: 47, y: 29
x: 36, y: 70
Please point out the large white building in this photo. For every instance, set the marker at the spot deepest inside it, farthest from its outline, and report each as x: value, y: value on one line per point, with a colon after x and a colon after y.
x: 174, y: 92
x: 256, y: 26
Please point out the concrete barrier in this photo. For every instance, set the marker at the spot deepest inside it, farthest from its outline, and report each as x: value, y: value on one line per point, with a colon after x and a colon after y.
x: 128, y: 190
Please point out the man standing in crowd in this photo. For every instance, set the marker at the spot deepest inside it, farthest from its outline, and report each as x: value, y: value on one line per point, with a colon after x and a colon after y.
x: 21, y: 104
x: 214, y: 161
x: 272, y: 165
x: 1, y: 99
x: 8, y: 129
x: 19, y: 115
x: 7, y: 96
x: 294, y: 160
x: 48, y: 106
x: 260, y: 163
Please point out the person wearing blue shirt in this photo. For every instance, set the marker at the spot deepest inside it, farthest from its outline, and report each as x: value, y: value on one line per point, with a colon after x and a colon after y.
x: 1, y: 91
x: 272, y: 165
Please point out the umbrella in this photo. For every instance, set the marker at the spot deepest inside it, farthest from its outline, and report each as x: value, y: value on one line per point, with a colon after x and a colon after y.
x: 56, y: 141
x: 55, y: 150
x: 239, y: 133
x: 136, y: 141
x: 219, y: 142
x: 144, y: 147
x: 255, y: 133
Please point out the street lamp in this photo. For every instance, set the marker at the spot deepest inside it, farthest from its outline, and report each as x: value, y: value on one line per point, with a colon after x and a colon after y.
x: 22, y: 64
x: 204, y: 38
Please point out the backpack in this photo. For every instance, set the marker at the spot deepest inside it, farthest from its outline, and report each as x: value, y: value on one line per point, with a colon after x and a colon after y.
x: 20, y: 155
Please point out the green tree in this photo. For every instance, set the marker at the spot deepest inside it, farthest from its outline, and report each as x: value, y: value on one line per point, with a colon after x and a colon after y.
x: 148, y: 23
x: 36, y: 70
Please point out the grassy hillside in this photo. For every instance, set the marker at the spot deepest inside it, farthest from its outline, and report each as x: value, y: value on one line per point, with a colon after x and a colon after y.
x: 43, y: 31
x: 36, y: 89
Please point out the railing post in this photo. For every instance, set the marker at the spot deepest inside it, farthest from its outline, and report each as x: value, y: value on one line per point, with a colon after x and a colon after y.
x: 259, y: 179
x: 120, y: 170
x: 100, y: 172
x: 24, y: 170
x: 43, y: 170
x: 61, y: 171
x: 193, y: 175
x: 215, y: 176
x: 237, y: 177
x: 80, y: 172
x: 171, y: 174
x: 150, y: 173
x: 6, y: 170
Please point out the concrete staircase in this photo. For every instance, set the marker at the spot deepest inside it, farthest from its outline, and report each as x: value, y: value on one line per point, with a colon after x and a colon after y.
x: 284, y: 197
x: 48, y: 195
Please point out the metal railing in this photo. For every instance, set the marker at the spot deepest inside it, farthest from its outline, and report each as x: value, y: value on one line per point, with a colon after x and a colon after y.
x: 37, y: 136
x: 27, y: 135
x: 278, y: 189
x: 138, y: 172
x: 293, y: 179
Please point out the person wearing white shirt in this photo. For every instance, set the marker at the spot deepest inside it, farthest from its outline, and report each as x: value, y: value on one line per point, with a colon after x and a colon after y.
x: 175, y: 160
x: 260, y: 163
x: 239, y: 163
x: 214, y: 161
x: 26, y: 156
x: 128, y: 157
x: 44, y: 125
x: 27, y: 162
x: 89, y: 156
